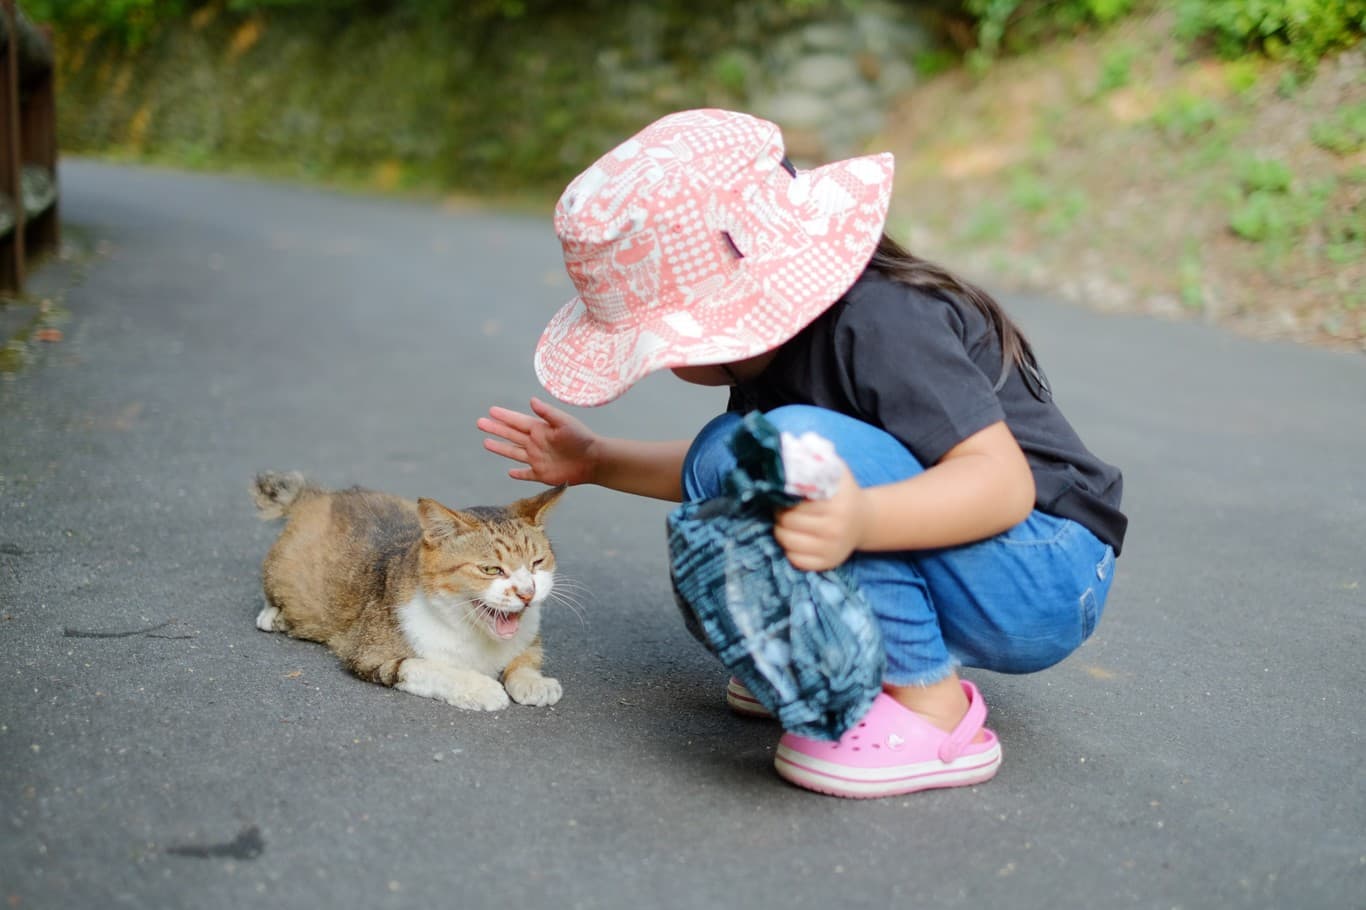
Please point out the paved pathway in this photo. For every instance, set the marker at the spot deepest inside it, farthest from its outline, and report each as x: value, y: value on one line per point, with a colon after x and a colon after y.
x: 1203, y: 750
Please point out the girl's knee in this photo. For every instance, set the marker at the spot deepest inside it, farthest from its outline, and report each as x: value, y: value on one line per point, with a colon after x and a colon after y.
x: 872, y: 454
x: 709, y: 458
x: 1018, y: 654
x: 1028, y: 657
x: 807, y: 418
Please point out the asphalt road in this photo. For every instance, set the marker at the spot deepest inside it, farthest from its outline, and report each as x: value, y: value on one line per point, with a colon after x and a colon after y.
x: 1204, y: 749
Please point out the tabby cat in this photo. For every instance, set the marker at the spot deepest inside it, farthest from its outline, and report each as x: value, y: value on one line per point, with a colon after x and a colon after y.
x: 434, y: 601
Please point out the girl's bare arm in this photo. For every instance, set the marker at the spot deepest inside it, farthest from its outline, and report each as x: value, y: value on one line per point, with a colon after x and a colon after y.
x: 980, y: 488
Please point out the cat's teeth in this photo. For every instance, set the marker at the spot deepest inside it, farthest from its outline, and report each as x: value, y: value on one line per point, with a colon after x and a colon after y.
x: 505, y: 624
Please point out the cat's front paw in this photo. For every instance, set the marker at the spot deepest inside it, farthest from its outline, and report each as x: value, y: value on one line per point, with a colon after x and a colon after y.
x: 461, y: 688
x: 485, y: 695
x: 270, y: 619
x: 530, y: 688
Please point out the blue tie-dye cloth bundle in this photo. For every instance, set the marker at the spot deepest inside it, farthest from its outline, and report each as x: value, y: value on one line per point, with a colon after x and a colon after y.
x: 806, y: 644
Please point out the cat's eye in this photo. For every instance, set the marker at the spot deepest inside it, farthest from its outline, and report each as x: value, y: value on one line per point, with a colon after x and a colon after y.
x: 538, y: 563
x: 491, y: 570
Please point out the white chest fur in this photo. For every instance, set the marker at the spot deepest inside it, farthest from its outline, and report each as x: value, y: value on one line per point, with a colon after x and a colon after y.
x: 441, y: 632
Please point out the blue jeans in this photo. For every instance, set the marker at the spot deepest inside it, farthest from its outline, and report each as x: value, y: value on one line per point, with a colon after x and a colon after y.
x: 1014, y: 603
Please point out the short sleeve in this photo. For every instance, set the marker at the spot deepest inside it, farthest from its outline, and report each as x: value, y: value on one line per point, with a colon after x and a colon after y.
x: 906, y: 354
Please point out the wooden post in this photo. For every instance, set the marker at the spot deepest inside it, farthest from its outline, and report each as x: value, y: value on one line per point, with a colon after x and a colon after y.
x: 12, y: 244
x: 38, y: 145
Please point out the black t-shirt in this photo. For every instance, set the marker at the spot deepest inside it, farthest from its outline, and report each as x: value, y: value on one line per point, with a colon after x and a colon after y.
x: 923, y: 368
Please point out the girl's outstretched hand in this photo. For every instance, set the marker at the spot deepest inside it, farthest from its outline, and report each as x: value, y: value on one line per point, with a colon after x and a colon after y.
x: 554, y: 447
x: 819, y: 534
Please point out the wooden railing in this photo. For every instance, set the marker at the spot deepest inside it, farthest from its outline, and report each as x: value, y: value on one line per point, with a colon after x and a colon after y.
x: 28, y: 146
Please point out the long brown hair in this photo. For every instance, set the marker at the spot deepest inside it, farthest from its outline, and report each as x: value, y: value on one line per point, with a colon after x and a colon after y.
x: 898, y: 263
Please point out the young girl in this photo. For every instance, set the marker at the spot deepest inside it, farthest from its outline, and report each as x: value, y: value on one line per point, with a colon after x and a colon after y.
x: 979, y: 527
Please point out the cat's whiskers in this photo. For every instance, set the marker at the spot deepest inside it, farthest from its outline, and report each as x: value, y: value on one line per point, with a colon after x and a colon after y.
x: 564, y: 581
x: 465, y: 611
x: 567, y: 593
x: 474, y: 615
x: 570, y: 593
x: 575, y: 608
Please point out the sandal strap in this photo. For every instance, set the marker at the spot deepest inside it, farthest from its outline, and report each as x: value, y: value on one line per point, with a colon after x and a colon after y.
x: 968, y: 728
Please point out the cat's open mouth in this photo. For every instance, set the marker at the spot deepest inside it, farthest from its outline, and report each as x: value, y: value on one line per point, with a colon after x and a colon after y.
x: 502, y: 623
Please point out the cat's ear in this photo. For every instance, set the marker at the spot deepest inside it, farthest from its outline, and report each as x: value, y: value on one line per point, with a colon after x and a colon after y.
x: 440, y: 523
x: 535, y: 508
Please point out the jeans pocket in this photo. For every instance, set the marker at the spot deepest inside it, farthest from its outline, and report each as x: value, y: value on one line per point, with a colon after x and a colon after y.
x: 1092, y: 600
x: 1106, y: 567
x: 1090, y: 612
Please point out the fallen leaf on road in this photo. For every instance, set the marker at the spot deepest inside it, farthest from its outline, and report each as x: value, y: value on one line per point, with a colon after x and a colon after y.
x: 294, y: 674
x: 49, y: 335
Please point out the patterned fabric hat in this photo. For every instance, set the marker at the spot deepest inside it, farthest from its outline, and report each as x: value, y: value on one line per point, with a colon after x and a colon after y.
x: 692, y: 243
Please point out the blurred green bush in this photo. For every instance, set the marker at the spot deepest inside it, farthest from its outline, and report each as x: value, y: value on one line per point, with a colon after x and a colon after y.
x: 1301, y: 30
x: 134, y: 21
x: 1015, y: 25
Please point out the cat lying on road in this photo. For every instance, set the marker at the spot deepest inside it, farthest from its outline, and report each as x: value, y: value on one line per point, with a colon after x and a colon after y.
x: 430, y: 600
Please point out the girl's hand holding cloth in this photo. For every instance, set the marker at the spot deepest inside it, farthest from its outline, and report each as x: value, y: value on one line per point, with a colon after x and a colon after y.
x: 805, y: 643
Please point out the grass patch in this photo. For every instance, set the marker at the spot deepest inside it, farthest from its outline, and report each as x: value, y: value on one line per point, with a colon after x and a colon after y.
x: 1344, y: 133
x: 1134, y: 176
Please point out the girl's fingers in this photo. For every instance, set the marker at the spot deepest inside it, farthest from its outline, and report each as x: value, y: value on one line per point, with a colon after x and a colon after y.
x: 811, y: 563
x: 506, y: 449
x: 513, y: 434
x: 552, y: 416
x: 794, y: 541
x: 515, y: 419
x: 796, y: 553
x: 803, y: 550
x: 803, y: 521
x: 503, y: 431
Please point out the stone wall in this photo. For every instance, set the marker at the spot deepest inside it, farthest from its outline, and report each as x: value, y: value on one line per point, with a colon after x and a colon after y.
x: 829, y: 83
x: 521, y: 105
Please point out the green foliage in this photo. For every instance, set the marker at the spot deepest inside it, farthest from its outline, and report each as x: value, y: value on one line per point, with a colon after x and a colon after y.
x: 1270, y: 175
x: 1191, y: 280
x: 1261, y: 217
x: 1186, y: 115
x: 1299, y: 30
x: 987, y: 224
x: 493, y: 97
x: 1344, y: 134
x: 1345, y: 234
x: 1029, y: 192
x: 1242, y: 76
x: 731, y: 69
x: 933, y: 61
x: 130, y: 21
x: 1068, y: 208
x: 134, y: 22
x: 1015, y: 24
x: 1115, y: 70
x: 1268, y: 209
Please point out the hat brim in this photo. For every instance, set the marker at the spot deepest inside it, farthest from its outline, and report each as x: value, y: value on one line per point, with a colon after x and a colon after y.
x: 771, y: 299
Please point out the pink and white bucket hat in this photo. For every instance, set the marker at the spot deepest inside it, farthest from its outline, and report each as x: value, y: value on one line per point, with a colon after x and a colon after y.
x: 692, y: 243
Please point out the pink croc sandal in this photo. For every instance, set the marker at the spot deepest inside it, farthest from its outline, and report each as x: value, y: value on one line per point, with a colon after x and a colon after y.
x: 742, y: 701
x: 893, y: 750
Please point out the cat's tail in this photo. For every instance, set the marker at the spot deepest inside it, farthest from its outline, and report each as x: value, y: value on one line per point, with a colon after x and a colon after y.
x: 274, y: 493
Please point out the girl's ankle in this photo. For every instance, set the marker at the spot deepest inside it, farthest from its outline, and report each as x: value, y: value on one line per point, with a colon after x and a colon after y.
x: 943, y: 704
